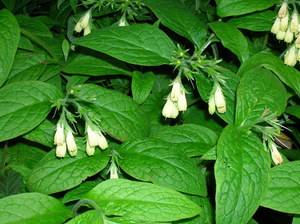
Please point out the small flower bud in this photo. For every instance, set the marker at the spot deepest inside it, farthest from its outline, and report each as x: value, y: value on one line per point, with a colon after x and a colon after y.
x: 71, y: 144
x: 89, y: 149
x: 170, y: 110
x: 59, y: 137
x: 283, y: 10
x: 284, y: 22
x: 113, y: 171
x: 294, y: 23
x: 276, y: 26
x: 276, y: 157
x: 220, y: 100
x: 211, y: 104
x: 280, y: 35
x: 123, y: 21
x: 175, y: 91
x: 87, y: 31
x: 85, y: 19
x: 290, y: 57
x: 61, y: 150
x: 102, y: 143
x: 182, y: 103
x: 289, y: 36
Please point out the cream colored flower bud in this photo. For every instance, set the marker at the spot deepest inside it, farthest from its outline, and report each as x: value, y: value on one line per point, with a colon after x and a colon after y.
x: 283, y: 10
x: 91, y: 137
x: 182, y: 103
x: 78, y: 27
x: 289, y: 36
x: 276, y: 26
x: 85, y: 19
x: 102, y: 143
x: 276, y: 157
x: 170, y: 110
x: 290, y: 57
x: 113, y: 171
x: 220, y: 100
x: 89, y: 149
x: 175, y: 91
x: 294, y: 23
x: 61, y: 150
x: 71, y: 144
x: 297, y: 42
x: 211, y: 104
x: 284, y: 23
x: 298, y: 55
x: 59, y: 137
x: 87, y: 31
x: 280, y: 35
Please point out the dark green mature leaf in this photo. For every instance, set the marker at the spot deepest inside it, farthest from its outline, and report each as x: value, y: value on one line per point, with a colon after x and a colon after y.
x: 231, y: 38
x: 242, y: 176
x: 259, y: 90
x: 141, y: 85
x: 119, y: 115
x: 10, y: 182
x: 32, y: 73
x: 162, y: 163
x: 290, y: 76
x: 283, y: 192
x: 53, y: 175
x: 293, y: 110
x: 24, y: 105
x: 260, y: 21
x: 143, y: 201
x: 89, y: 65
x: 139, y: 44
x: 180, y: 19
x: 9, y: 39
x: 75, y: 80
x: 240, y: 7
x: 34, y: 26
x: 29, y: 208
x: 194, y: 140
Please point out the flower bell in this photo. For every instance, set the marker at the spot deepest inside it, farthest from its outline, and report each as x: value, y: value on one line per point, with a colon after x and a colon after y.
x: 71, y: 144
x: 170, y: 110
x: 276, y: 156
x: 290, y: 57
x: 220, y: 100
x: 59, y: 137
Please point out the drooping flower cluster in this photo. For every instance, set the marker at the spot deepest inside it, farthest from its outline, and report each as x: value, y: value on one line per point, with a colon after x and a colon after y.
x: 94, y: 138
x: 176, y: 100
x: 287, y: 28
x: 84, y: 24
x: 217, y: 100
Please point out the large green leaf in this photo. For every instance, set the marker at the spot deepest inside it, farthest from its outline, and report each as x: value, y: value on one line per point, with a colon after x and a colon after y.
x: 96, y: 66
x: 259, y: 90
x: 163, y: 164
x: 289, y: 75
x: 32, y: 73
x: 242, y: 175
x: 53, y: 175
x: 33, y: 25
x: 283, y: 192
x: 240, y: 7
x: 119, y: 115
x: 293, y: 110
x: 143, y: 201
x: 25, y: 105
x: 180, y: 19
x: 90, y: 217
x: 31, y: 208
x: 194, y: 140
x: 140, y: 44
x: 141, y: 85
x: 231, y: 38
x: 9, y: 39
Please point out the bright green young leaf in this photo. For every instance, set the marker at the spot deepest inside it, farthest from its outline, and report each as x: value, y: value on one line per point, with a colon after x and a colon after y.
x: 143, y: 201
x: 290, y: 76
x: 179, y: 18
x: 232, y: 39
x: 96, y: 66
x: 24, y: 105
x: 119, y: 115
x: 260, y: 21
x: 139, y: 44
x: 242, y: 176
x: 121, y: 220
x: 296, y: 220
x: 34, y: 26
x: 9, y: 39
x: 162, y: 163
x: 283, y: 192
x: 90, y: 217
x: 293, y: 110
x: 53, y: 175
x: 259, y: 90
x: 31, y: 208
x: 141, y: 85
x: 240, y: 7
x: 194, y: 140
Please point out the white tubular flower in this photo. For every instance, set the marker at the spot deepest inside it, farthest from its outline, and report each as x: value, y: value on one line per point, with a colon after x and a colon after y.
x: 87, y: 30
x: 85, y: 19
x: 89, y: 149
x: 298, y: 56
x: 71, y: 144
x: 297, y: 42
x: 182, y: 103
x: 91, y: 137
x: 220, y: 100
x: 280, y: 35
x: 61, y: 150
x: 211, y: 104
x: 170, y: 110
x: 276, y: 26
x: 102, y: 143
x: 276, y: 157
x: 59, y: 137
x: 283, y: 10
x: 294, y: 23
x: 113, y: 171
x: 78, y: 27
x: 289, y: 36
x: 284, y: 22
x: 176, y: 87
x: 290, y: 57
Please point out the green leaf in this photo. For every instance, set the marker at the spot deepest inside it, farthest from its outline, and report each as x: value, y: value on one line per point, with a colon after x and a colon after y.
x: 259, y: 90
x: 290, y: 76
x: 194, y: 140
x: 75, y: 80
x: 179, y: 18
x: 90, y: 217
x: 9, y: 4
x: 296, y: 220
x: 24, y: 105
x: 232, y: 39
x: 260, y: 21
x: 121, y: 220
x: 30, y: 208
x: 43, y: 134
x: 53, y: 175
x: 9, y: 39
x: 293, y: 110
x: 10, y: 182
x: 283, y: 192
x: 139, y: 44
x: 143, y: 201
x: 119, y: 115
x: 151, y: 160
x: 97, y: 66
x: 242, y: 175
x: 141, y: 85
x: 65, y: 48
x: 240, y: 7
